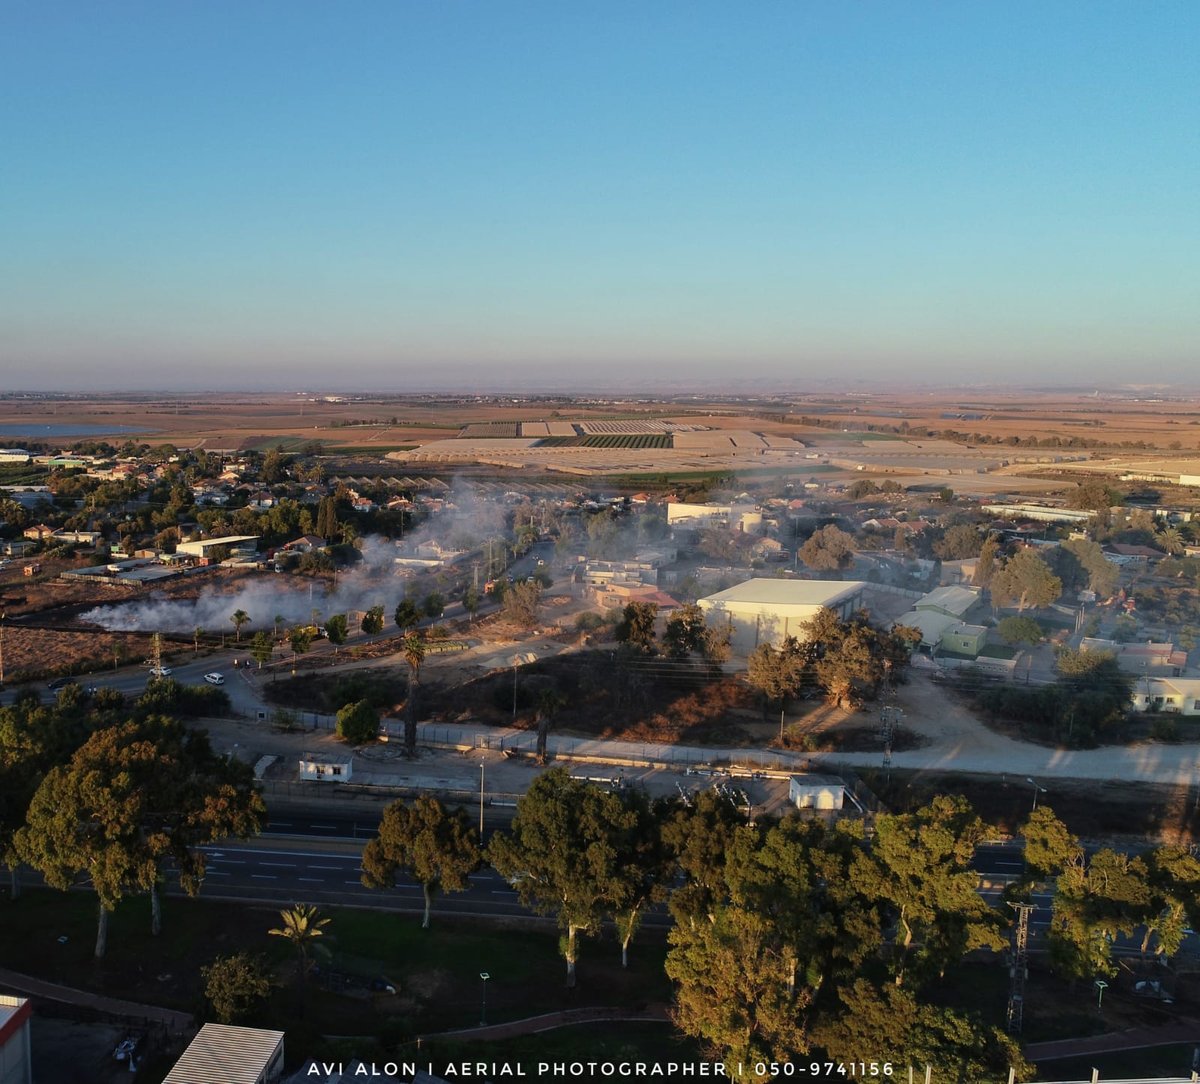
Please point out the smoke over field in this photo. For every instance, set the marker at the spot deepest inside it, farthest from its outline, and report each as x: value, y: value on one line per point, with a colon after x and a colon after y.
x: 374, y: 581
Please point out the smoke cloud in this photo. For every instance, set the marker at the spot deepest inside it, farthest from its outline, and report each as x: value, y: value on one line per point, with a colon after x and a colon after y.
x: 463, y: 523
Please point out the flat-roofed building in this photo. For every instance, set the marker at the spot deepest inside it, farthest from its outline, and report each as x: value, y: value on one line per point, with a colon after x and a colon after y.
x: 16, y: 1058
x: 812, y: 791
x: 224, y: 1054
x: 766, y: 611
x: 237, y: 545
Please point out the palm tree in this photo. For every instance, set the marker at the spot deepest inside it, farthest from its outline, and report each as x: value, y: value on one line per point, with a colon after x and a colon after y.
x: 1171, y: 540
x: 279, y: 619
x: 239, y: 618
x: 302, y: 925
x: 414, y: 655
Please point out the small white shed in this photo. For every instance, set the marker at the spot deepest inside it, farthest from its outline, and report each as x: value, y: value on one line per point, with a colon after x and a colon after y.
x: 326, y: 768
x: 816, y: 791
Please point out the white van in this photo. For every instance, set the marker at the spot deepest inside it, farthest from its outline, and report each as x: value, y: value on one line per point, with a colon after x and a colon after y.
x: 214, y: 679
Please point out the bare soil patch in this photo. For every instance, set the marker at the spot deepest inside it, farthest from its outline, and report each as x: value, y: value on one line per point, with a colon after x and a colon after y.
x: 1092, y: 809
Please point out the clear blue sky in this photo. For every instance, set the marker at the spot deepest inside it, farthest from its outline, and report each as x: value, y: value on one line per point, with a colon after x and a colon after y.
x: 414, y: 194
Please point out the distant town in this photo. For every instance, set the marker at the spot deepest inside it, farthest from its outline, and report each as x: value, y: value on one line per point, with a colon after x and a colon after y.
x: 847, y: 736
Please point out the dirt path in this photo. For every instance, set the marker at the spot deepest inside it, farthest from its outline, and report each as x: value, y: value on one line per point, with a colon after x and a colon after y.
x: 957, y: 741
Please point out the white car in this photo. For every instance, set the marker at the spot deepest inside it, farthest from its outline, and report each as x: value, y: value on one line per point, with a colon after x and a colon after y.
x: 215, y: 679
x: 160, y: 671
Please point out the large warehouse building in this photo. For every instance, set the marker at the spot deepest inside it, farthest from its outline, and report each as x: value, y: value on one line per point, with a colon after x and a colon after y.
x: 765, y: 611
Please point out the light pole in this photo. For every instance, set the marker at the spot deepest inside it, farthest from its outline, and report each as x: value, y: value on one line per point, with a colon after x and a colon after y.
x: 484, y: 976
x: 1101, y: 986
x: 1036, y: 791
x: 482, y: 763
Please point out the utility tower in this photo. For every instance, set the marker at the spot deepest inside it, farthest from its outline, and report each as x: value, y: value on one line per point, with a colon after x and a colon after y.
x: 1019, y: 968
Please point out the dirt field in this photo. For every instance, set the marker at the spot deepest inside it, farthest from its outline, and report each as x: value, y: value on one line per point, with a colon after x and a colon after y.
x: 231, y: 421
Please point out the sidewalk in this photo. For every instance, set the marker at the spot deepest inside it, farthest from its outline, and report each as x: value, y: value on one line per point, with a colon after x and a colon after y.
x: 1183, y: 1031
x: 176, y: 1022
x: 534, y: 1025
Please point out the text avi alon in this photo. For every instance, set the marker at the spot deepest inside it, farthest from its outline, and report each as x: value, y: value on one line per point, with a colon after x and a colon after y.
x: 479, y: 1070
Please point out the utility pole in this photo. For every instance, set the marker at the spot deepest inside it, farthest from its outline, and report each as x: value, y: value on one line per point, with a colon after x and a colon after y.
x: 2, y: 616
x: 1019, y: 969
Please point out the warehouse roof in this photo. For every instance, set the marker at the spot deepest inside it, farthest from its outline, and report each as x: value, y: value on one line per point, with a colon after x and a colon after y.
x: 764, y: 591
x: 223, y: 1054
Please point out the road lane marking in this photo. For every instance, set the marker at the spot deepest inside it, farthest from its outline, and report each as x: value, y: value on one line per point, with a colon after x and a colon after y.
x: 264, y: 876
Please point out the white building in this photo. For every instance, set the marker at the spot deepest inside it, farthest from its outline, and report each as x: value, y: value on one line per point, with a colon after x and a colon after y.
x: 223, y: 1054
x: 14, y: 455
x: 326, y: 767
x: 1180, y: 696
x: 1044, y: 513
x: 810, y: 791
x: 743, y: 517
x: 238, y: 545
x: 16, y: 1059
x: 765, y: 611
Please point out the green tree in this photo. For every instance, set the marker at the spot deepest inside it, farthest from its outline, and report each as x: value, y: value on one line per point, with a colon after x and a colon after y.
x: 301, y: 638
x: 471, y: 601
x: 1049, y: 847
x: 636, y: 629
x: 438, y: 848
x: 698, y: 835
x: 336, y: 629
x: 684, y: 632
x: 828, y: 549
x: 301, y: 926
x: 777, y: 674
x: 562, y: 854
x: 919, y: 866
x: 235, y: 985
x: 372, y: 622
x: 414, y: 654
x: 985, y: 567
x: 732, y: 990
x: 1019, y: 630
x: 1097, y: 900
x: 358, y: 723
x: 433, y: 605
x: 133, y: 796
x: 644, y: 865
x: 521, y: 603
x: 407, y: 615
x: 959, y: 543
x: 1025, y: 580
x: 262, y: 647
x: 327, y: 519
x: 1094, y: 495
x: 239, y: 618
x: 890, y: 1024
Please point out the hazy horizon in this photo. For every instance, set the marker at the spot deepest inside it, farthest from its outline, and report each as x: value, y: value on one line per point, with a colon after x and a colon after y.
x: 528, y: 195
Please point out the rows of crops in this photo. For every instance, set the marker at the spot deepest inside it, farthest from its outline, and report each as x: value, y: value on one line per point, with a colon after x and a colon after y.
x: 639, y: 440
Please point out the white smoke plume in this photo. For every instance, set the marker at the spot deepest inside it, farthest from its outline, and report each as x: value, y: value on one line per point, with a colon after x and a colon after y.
x: 375, y: 581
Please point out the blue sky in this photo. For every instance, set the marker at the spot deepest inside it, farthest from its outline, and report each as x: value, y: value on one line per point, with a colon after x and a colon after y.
x: 408, y: 195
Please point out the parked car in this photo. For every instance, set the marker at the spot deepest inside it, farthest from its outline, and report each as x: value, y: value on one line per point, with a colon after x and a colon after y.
x: 160, y: 671
x: 215, y: 679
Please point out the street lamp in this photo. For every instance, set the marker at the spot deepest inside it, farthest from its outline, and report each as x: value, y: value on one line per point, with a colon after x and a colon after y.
x: 482, y: 763
x: 1036, y: 791
x: 1101, y: 985
x: 484, y: 976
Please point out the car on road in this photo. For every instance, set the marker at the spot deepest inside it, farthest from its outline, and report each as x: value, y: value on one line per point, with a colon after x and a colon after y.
x: 160, y: 671
x: 215, y: 679
x: 60, y: 683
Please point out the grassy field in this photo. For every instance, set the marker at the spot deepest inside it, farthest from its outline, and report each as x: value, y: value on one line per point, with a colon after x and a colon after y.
x: 435, y: 972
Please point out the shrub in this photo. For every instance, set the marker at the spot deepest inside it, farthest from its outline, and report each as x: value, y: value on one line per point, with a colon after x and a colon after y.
x: 358, y: 723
